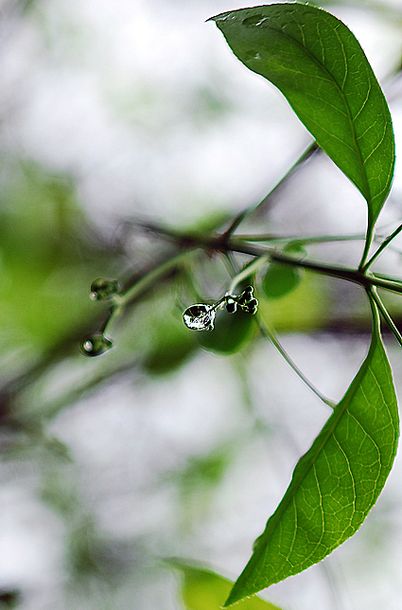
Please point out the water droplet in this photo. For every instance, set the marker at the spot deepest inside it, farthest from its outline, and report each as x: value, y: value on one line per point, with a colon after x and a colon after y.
x: 95, y: 345
x: 231, y: 305
x: 246, y: 296
x: 247, y: 301
x: 103, y: 288
x: 254, y: 20
x: 199, y: 317
x: 252, y: 56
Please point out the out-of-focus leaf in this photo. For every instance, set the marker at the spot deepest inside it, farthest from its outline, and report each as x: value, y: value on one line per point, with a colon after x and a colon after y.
x: 205, y: 590
x: 48, y: 257
x: 336, y: 483
x: 9, y: 598
x: 320, y: 67
x: 231, y: 332
x: 299, y: 309
x: 205, y: 470
x: 280, y: 280
x: 166, y: 344
x: 168, y: 355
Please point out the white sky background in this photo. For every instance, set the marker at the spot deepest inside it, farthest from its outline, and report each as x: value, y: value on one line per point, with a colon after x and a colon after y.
x: 126, y: 96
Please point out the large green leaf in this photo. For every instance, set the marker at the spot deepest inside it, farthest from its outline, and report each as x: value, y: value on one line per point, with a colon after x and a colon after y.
x: 206, y: 590
x: 320, y: 67
x: 336, y: 483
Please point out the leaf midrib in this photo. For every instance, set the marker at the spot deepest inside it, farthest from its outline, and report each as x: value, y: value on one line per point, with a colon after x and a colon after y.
x: 297, y: 483
x: 367, y: 196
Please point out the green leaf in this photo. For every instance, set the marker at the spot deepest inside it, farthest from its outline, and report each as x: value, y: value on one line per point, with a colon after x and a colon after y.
x: 321, y: 69
x: 336, y: 483
x: 230, y: 334
x: 205, y: 590
x: 280, y: 279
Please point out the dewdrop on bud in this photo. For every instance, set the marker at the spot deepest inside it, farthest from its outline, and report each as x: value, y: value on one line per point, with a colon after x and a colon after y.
x: 246, y: 296
x: 103, y: 288
x: 251, y: 306
x: 95, y: 345
x: 231, y: 305
x: 199, y: 317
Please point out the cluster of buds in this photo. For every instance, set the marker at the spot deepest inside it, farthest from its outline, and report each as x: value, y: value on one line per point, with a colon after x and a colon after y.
x: 202, y: 316
x: 245, y: 300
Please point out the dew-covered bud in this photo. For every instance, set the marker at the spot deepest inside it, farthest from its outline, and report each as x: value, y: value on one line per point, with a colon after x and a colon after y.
x: 251, y: 306
x: 95, y: 345
x: 231, y: 305
x: 103, y: 288
x: 199, y: 317
x: 246, y: 296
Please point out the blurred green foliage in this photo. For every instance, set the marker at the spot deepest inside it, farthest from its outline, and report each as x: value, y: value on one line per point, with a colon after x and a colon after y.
x: 279, y: 279
x: 204, y: 590
x: 48, y: 257
x: 231, y: 332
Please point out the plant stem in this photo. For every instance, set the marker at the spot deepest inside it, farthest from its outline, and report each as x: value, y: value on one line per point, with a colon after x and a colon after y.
x: 382, y: 247
x: 247, y: 271
x: 269, y: 334
x: 307, y: 153
x: 220, y: 243
x: 314, y: 239
x: 372, y: 292
x: 131, y: 292
x: 367, y: 245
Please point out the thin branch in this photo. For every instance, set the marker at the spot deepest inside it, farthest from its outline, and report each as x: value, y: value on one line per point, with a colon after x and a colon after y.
x: 372, y: 292
x: 303, y: 240
x: 307, y: 153
x: 269, y: 334
x: 367, y: 245
x: 382, y: 247
x: 220, y: 243
x: 248, y: 270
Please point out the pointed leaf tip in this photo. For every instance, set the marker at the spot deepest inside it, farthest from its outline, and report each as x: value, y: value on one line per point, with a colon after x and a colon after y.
x: 335, y: 484
x: 321, y: 69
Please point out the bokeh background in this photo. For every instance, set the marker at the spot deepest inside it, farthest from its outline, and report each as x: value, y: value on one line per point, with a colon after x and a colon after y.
x: 135, y: 110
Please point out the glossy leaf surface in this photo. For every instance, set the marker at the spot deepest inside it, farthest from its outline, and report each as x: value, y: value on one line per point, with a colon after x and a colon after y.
x: 335, y: 484
x: 320, y: 67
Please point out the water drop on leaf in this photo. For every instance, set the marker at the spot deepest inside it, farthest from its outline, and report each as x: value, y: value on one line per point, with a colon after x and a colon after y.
x: 95, y: 345
x: 254, y: 20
